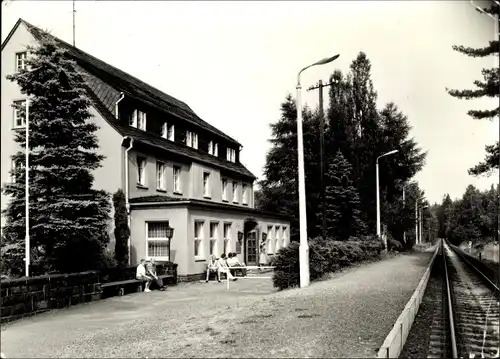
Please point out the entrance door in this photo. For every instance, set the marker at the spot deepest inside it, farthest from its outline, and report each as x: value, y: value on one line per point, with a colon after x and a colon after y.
x: 251, y: 248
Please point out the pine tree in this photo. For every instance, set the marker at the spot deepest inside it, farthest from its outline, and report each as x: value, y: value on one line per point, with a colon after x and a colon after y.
x: 486, y: 88
x: 68, y: 218
x: 122, y: 231
x: 342, y: 201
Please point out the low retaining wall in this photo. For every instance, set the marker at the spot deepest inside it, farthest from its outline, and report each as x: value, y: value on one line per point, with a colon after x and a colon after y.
x: 395, y: 341
x: 27, y: 296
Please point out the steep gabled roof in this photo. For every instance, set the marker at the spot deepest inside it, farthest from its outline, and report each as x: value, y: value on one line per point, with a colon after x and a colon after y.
x: 130, y: 84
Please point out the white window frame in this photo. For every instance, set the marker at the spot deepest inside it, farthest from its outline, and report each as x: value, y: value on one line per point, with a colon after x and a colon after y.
x: 206, y: 184
x: 213, y: 239
x: 244, y: 191
x: 141, y: 171
x: 192, y: 139
x: 226, y: 234
x: 198, y: 240
x: 277, y: 239
x: 210, y: 148
x: 285, y: 238
x: 195, y: 140
x: 235, y: 192
x: 164, y: 129
x: 224, y: 189
x: 270, y: 240
x: 21, y: 60
x: 16, y: 116
x: 176, y: 174
x: 216, y: 150
x: 161, y: 184
x: 165, y: 241
x: 231, y: 155
x: 168, y: 131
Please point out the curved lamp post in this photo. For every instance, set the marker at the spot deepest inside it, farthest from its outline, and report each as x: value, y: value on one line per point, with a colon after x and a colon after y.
x: 170, y: 235
x: 378, y: 196
x: 304, y: 246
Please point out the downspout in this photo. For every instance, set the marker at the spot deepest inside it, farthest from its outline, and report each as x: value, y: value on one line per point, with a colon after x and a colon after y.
x: 127, y: 203
x: 122, y: 95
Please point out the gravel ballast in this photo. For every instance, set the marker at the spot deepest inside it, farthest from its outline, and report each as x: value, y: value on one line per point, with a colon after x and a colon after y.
x: 346, y: 316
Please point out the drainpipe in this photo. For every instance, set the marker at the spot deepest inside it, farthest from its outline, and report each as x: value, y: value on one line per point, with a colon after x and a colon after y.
x: 122, y: 95
x: 127, y: 203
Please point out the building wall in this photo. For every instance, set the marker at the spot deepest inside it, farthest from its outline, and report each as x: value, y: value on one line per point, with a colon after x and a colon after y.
x: 10, y: 93
x: 177, y: 218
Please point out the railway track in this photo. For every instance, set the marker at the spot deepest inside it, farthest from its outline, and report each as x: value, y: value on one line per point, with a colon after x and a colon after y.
x: 467, y: 322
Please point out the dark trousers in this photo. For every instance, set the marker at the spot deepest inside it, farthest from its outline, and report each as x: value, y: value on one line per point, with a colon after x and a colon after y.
x: 235, y: 269
x: 158, y: 282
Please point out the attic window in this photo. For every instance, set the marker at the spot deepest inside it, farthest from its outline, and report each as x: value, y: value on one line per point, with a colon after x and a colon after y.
x: 192, y: 139
x: 213, y: 148
x: 167, y: 131
x: 231, y: 155
x: 138, y: 120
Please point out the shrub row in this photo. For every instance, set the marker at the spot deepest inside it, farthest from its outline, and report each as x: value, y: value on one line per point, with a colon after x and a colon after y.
x: 325, y: 256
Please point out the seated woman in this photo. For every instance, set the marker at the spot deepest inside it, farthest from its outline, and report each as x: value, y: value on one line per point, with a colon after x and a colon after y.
x: 212, y: 267
x: 232, y: 261
x: 151, y: 271
x: 224, y: 268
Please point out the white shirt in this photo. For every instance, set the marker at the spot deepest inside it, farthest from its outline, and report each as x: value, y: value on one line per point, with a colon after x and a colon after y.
x: 222, y: 263
x: 233, y: 261
x: 141, y: 271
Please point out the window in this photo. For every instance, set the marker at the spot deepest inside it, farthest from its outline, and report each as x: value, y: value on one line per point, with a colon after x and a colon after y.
x: 206, y: 184
x: 141, y: 171
x: 224, y: 189
x: 19, y: 118
x: 270, y: 239
x: 213, y: 149
x: 20, y: 61
x: 244, y: 189
x: 158, y: 243
x: 191, y: 139
x: 285, y: 238
x: 167, y: 131
x: 214, y: 226
x: 231, y: 155
x: 160, y: 176
x: 277, y: 235
x: 17, y: 167
x: 227, y: 237
x: 198, y: 239
x: 177, y: 179
x: 138, y: 120
x: 235, y: 194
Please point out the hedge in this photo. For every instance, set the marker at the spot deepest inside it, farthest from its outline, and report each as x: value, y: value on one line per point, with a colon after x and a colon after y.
x: 325, y: 256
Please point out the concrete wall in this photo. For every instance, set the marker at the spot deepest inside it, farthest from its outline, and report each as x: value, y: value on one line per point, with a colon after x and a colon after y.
x: 10, y: 93
x: 177, y: 218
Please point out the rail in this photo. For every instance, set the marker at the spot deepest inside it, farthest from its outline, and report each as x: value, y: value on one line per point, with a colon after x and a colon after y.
x: 453, y: 338
x: 246, y: 277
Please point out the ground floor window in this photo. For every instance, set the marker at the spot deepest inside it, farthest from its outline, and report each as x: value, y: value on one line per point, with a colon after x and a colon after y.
x: 198, y: 239
x: 270, y: 239
x: 158, y: 243
x: 285, y: 238
x: 278, y: 239
x: 214, y: 226
x: 227, y: 238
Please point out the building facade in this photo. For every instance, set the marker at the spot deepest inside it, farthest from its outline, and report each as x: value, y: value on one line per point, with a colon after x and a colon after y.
x: 177, y: 171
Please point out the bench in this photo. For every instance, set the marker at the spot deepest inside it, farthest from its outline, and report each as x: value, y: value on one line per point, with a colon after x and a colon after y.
x: 120, y: 285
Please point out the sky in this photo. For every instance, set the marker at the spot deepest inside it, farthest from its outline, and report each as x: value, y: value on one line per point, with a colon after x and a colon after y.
x: 234, y: 63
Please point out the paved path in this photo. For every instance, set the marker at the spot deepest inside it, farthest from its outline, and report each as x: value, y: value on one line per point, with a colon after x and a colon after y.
x: 346, y: 316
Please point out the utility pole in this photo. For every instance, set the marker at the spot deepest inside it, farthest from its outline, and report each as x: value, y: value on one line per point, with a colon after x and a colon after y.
x: 404, y: 202
x: 74, y: 12
x: 322, y: 149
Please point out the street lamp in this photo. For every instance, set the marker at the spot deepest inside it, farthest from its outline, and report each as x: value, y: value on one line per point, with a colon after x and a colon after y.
x: 378, y: 195
x: 304, y: 246
x: 170, y: 235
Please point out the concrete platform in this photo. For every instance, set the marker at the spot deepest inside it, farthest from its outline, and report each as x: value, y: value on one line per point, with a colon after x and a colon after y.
x: 346, y: 316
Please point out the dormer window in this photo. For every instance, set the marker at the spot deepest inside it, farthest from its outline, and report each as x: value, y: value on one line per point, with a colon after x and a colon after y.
x: 138, y: 120
x: 213, y: 148
x: 21, y: 61
x: 167, y: 131
x: 192, y: 139
x: 231, y: 155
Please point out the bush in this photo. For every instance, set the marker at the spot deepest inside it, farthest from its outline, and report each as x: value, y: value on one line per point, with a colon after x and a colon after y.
x: 325, y: 256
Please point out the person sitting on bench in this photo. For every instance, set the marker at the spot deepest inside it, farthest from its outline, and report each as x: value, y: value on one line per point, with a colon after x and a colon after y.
x: 232, y: 261
x: 224, y: 268
x: 141, y: 275
x: 212, y: 267
x: 151, y: 271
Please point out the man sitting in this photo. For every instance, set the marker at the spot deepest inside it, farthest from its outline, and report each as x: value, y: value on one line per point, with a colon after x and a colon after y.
x: 151, y: 271
x: 212, y: 267
x: 224, y: 268
x: 142, y: 275
x: 232, y: 261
